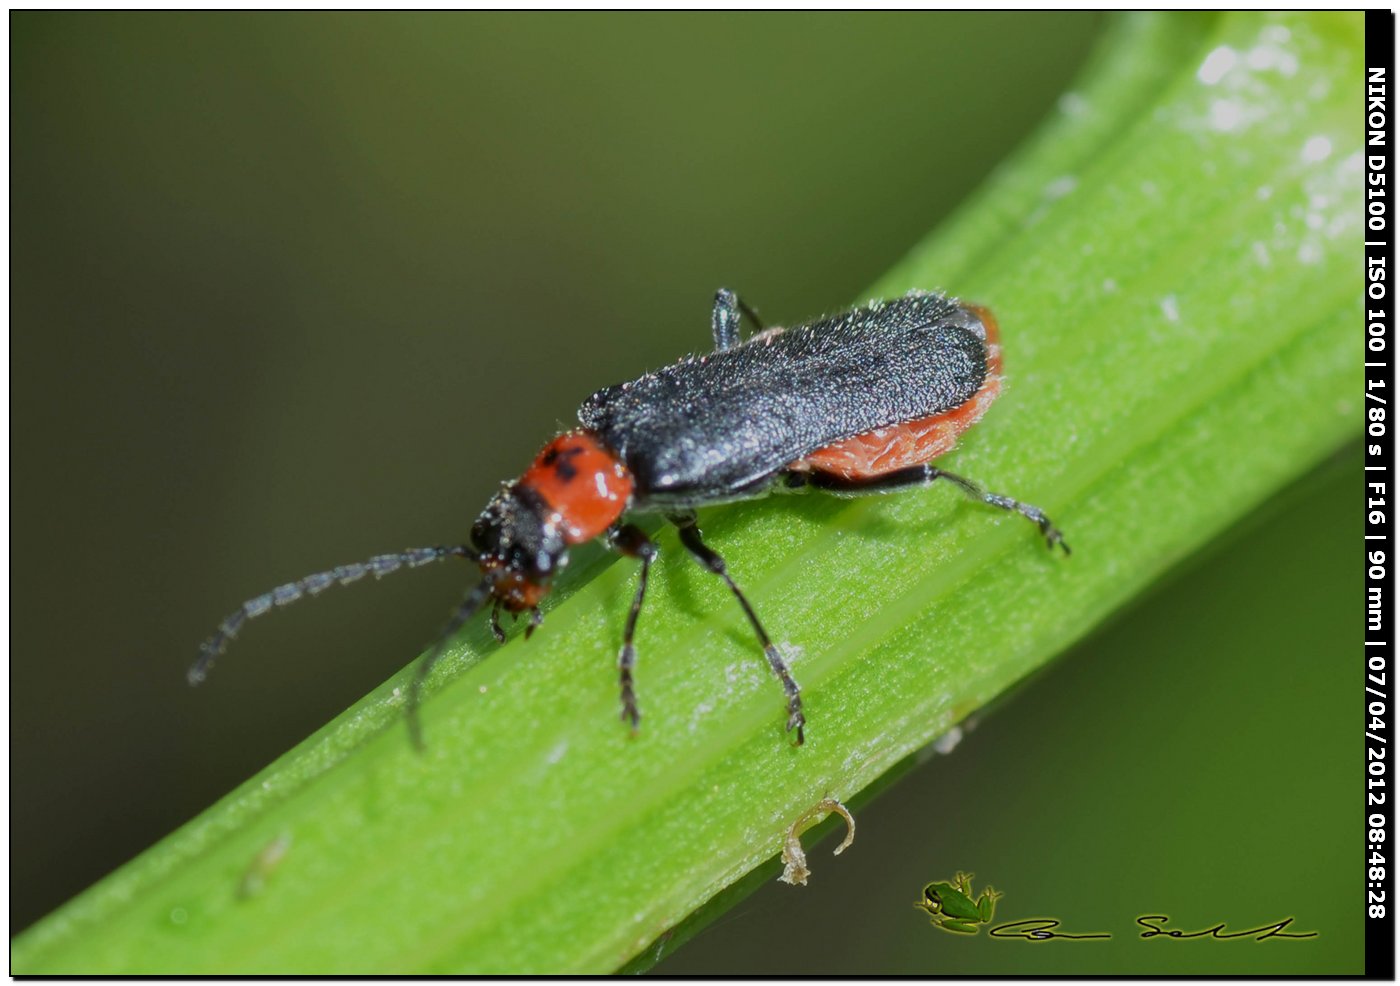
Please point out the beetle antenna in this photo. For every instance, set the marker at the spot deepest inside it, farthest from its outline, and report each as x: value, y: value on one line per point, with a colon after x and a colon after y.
x: 466, y: 609
x: 313, y: 585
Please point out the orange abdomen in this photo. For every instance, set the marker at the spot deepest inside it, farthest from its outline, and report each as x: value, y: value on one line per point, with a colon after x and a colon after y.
x: 911, y: 443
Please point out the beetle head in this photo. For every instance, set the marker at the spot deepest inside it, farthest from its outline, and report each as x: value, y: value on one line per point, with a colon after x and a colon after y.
x: 521, y: 546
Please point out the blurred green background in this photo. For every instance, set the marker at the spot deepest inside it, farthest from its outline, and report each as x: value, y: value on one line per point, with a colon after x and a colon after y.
x: 290, y: 290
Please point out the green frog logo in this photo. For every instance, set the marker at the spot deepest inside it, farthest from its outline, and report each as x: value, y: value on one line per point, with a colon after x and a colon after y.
x: 952, y: 907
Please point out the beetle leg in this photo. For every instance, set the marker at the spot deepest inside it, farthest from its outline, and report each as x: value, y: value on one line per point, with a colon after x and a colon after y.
x: 468, y: 608
x: 496, y: 630
x: 632, y: 542
x: 707, y: 556
x: 921, y: 476
x: 724, y: 322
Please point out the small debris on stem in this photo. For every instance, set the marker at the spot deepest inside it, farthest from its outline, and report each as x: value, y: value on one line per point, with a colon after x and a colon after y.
x: 795, y: 869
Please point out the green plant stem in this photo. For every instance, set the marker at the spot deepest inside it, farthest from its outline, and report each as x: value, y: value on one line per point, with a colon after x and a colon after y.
x: 1172, y: 263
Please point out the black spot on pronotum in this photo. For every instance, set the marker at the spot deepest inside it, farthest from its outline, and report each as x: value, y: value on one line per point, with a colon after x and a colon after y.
x: 563, y: 467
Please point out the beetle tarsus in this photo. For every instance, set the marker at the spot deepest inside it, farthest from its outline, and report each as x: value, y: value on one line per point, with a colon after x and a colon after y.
x: 796, y: 720
x: 724, y: 322
x: 1034, y: 514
